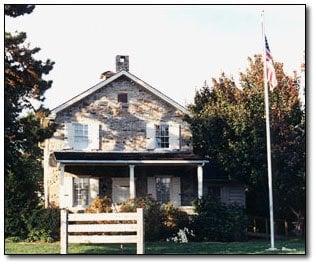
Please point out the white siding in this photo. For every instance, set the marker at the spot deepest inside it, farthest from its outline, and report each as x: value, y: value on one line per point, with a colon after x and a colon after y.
x: 233, y: 194
x: 237, y: 195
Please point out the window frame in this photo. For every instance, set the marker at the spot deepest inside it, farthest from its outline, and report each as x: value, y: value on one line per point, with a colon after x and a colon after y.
x: 76, y: 191
x: 160, y: 198
x: 160, y: 136
x: 83, y: 142
x: 125, y: 95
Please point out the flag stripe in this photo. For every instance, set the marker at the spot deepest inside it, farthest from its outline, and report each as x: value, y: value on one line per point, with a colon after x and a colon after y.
x: 271, y: 76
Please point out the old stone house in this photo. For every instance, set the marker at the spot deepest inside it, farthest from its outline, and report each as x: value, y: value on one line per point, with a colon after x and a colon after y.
x: 122, y: 139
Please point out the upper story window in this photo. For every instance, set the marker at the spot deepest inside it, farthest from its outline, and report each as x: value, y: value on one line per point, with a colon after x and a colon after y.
x: 122, y: 98
x: 81, y: 136
x: 81, y: 191
x: 162, y: 136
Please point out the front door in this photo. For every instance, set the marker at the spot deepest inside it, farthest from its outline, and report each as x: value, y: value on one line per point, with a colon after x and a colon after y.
x: 120, y: 190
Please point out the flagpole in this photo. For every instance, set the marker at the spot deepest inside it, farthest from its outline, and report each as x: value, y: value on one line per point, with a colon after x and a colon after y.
x: 266, y: 100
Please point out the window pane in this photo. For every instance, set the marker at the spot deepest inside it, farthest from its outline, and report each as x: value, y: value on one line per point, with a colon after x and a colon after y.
x: 162, y: 136
x: 81, y: 191
x: 122, y: 98
x: 163, y: 189
x: 81, y: 138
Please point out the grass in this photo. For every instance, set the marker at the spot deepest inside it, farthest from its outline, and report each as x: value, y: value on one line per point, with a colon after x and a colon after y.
x: 250, y: 247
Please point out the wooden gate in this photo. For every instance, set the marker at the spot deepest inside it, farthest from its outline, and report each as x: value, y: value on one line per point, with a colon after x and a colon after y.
x: 75, y: 229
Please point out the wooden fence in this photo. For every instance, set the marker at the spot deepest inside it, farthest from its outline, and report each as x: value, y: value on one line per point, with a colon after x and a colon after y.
x: 77, y: 228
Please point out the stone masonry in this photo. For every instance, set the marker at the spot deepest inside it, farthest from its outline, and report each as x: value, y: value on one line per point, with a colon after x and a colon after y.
x: 122, y: 127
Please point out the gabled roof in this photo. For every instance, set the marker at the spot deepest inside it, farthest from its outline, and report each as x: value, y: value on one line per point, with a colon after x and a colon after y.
x: 111, y: 79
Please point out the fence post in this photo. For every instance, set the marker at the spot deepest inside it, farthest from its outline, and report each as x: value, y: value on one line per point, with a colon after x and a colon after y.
x: 140, y: 231
x: 63, y: 231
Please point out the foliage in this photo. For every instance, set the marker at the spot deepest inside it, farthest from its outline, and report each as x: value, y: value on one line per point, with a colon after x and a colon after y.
x: 100, y: 205
x: 39, y: 235
x: 18, y: 10
x: 152, y: 215
x: 216, y: 221
x: 44, y: 225
x: 173, y: 220
x: 13, y: 239
x: 228, y: 125
x: 161, y: 221
x: 24, y: 127
x: 182, y: 236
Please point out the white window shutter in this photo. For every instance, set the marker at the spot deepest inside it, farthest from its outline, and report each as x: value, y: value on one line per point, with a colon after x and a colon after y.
x: 174, y: 136
x: 94, y: 136
x: 151, y: 187
x: 120, y: 190
x: 69, y: 136
x: 67, y: 200
x: 94, y: 188
x: 150, y: 136
x: 175, y: 191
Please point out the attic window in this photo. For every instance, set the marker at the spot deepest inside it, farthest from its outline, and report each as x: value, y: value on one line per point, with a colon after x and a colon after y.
x: 122, y: 59
x: 122, y: 98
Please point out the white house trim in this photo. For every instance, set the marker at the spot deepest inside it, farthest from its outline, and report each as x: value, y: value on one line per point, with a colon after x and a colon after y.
x: 111, y: 79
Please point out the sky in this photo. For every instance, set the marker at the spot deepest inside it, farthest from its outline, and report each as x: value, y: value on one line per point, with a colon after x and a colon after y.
x: 173, y: 48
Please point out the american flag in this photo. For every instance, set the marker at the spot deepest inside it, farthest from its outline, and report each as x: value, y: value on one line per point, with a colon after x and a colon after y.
x: 271, y: 76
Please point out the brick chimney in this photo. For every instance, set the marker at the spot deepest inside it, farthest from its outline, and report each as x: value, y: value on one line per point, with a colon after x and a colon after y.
x: 122, y: 63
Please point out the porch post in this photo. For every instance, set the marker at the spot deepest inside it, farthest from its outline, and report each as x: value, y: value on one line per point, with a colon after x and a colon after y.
x: 200, y: 180
x: 132, y: 190
x: 61, y: 186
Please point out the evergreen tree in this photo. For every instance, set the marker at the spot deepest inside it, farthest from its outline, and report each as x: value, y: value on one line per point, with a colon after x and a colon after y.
x: 24, y: 85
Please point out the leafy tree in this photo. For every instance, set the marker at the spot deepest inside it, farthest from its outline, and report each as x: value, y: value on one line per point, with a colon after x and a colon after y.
x: 24, y: 129
x: 228, y: 125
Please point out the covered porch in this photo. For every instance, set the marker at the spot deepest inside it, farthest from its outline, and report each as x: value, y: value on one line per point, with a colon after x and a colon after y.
x: 166, y: 177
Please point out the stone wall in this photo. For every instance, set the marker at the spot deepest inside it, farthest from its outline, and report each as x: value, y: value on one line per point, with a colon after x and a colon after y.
x: 122, y: 127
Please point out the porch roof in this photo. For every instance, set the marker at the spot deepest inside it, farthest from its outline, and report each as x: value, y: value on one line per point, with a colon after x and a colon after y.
x: 76, y: 157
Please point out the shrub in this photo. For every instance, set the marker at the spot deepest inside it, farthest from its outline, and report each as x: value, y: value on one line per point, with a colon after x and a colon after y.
x: 44, y: 225
x: 173, y: 220
x: 216, y: 221
x: 13, y: 239
x: 39, y: 235
x: 100, y: 205
x: 152, y: 215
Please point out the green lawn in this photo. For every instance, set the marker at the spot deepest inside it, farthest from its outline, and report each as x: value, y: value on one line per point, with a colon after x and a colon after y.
x: 251, y: 247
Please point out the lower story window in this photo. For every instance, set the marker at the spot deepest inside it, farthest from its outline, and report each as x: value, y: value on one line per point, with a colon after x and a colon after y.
x: 81, y: 191
x: 215, y: 192
x: 163, y: 189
